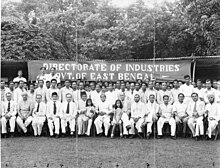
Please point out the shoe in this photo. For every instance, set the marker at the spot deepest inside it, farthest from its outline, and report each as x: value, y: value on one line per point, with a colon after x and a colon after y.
x: 173, y: 137
x: 112, y: 136
x: 132, y: 136
x: 12, y: 135
x: 121, y: 136
x: 100, y: 135
x: 139, y: 134
x: 125, y: 136
x: 56, y: 136
x: 196, y: 138
x: 25, y: 134
x: 4, y: 136
x: 63, y: 135
x: 128, y: 127
x: 159, y: 137
x: 148, y: 136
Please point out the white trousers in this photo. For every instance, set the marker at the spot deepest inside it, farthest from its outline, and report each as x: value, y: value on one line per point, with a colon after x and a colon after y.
x: 55, y: 122
x: 11, y: 123
x: 72, y: 124
x: 85, y: 119
x: 196, y: 126
x: 80, y: 123
x: 23, y: 124
x: 212, y: 125
x: 126, y: 122
x: 149, y: 122
x: 37, y: 124
x: 161, y: 122
x: 137, y: 125
x: 102, y: 120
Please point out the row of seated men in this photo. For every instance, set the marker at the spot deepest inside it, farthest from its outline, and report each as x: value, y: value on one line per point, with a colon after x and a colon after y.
x: 130, y: 115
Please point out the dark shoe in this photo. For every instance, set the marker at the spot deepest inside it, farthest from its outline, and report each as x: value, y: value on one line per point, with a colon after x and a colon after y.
x: 128, y: 127
x: 148, y: 136
x: 25, y: 134
x: 173, y: 137
x: 184, y: 135
x: 196, y: 138
x: 12, y: 135
x: 4, y: 136
x: 132, y: 136
x: 100, y: 135
x: 159, y: 137
x: 56, y: 136
x: 140, y: 135
x: 63, y: 135
x: 125, y: 136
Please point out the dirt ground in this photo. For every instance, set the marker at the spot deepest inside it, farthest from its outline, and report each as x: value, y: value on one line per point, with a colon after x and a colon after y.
x: 95, y: 152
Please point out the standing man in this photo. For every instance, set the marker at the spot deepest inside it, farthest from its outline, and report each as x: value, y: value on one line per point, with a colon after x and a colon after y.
x: 18, y: 92
x: 175, y: 91
x: 53, y: 75
x: 68, y: 115
x: 187, y: 89
x: 53, y: 89
x: 199, y: 90
x: 9, y: 111
x: 39, y: 115
x: 180, y: 112
x: 25, y: 108
x: 53, y: 115
x: 95, y: 95
x: 143, y: 93
x: 42, y: 75
x: 151, y: 91
x: 209, y: 90
x: 3, y: 90
x: 195, y: 110
x: 212, y: 110
x: 111, y: 95
x: 166, y: 115
x: 41, y: 90
x: 81, y: 111
x: 65, y: 90
x: 162, y: 93
x: 19, y: 78
x: 104, y: 111
x: 137, y: 116
x: 31, y: 93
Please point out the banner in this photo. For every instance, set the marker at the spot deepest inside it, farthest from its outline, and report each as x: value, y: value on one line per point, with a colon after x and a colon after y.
x: 112, y: 70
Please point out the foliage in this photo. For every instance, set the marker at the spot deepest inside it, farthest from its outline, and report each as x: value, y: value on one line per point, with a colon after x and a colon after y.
x: 52, y: 28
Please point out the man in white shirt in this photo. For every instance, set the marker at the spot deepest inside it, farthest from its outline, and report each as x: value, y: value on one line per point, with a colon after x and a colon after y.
x: 9, y: 111
x: 151, y: 91
x: 43, y: 76
x: 187, y: 89
x: 95, y: 95
x: 31, y: 93
x: 209, y: 90
x: 161, y: 93
x: 41, y: 90
x: 53, y: 89
x: 137, y: 116
x: 25, y: 108
x: 81, y: 109
x: 212, y: 111
x: 199, y: 90
x: 18, y: 92
x: 19, y: 78
x: 143, y: 93
x: 166, y: 115
x: 180, y: 112
x: 3, y: 91
x: 151, y: 116
x: 53, y: 75
x: 75, y: 91
x: 104, y: 110
x: 68, y: 114
x: 39, y: 115
x: 80, y: 90
x: 65, y: 90
x: 111, y: 95
x: 175, y: 91
x: 10, y: 89
x: 53, y: 115
x: 195, y: 110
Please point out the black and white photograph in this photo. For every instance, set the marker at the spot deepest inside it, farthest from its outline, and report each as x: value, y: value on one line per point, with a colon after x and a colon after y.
x: 110, y: 84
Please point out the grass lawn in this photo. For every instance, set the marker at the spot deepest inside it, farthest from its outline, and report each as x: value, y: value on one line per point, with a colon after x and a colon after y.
x: 94, y: 152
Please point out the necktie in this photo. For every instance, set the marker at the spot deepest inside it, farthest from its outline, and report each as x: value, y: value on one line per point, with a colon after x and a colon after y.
x: 194, y: 109
x: 68, y: 108
x: 8, y: 109
x: 38, y: 106
x: 54, y: 108
x: 132, y: 92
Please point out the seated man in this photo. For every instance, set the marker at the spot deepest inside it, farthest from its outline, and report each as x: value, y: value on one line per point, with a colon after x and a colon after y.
x: 25, y: 108
x: 212, y: 109
x: 82, y: 111
x: 195, y: 111
x: 9, y: 111
x: 180, y: 112
x: 151, y: 116
x: 166, y: 115
x: 39, y: 115
x: 137, y: 116
x: 104, y: 109
x: 53, y: 115
x: 68, y: 114
x: 126, y: 113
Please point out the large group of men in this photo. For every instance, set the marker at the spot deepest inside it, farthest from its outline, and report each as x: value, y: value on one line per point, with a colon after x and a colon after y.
x: 146, y: 106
